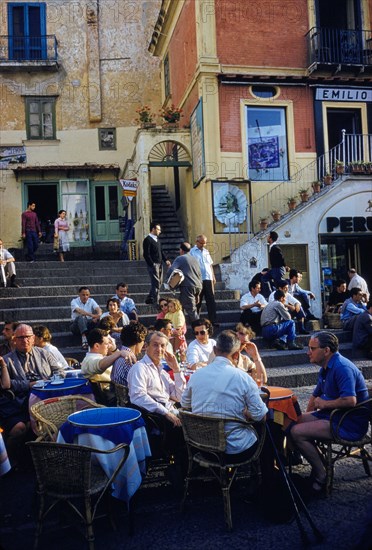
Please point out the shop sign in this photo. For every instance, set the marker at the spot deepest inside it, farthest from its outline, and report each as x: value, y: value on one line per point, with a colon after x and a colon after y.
x: 352, y: 214
x: 349, y: 224
x: 343, y: 94
x: 129, y: 188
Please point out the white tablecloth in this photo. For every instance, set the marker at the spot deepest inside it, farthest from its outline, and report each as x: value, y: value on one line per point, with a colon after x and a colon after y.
x: 129, y: 478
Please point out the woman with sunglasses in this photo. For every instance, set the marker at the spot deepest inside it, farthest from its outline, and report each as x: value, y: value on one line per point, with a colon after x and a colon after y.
x: 163, y: 308
x: 198, y: 351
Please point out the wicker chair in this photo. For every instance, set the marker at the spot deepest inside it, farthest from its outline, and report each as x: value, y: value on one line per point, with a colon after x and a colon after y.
x: 122, y: 395
x: 337, y: 448
x: 72, y: 362
x: 51, y: 413
x: 67, y: 472
x: 206, y: 444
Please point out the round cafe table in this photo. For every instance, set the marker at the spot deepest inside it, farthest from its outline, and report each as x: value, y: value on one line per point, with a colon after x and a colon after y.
x: 104, y: 429
x: 4, y: 461
x: 283, y: 405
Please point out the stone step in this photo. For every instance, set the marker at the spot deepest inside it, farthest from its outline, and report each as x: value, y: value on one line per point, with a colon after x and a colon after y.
x: 63, y: 311
x: 50, y: 301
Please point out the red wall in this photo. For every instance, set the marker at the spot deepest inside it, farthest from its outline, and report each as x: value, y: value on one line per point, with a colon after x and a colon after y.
x: 302, y: 97
x: 183, y: 53
x: 255, y: 33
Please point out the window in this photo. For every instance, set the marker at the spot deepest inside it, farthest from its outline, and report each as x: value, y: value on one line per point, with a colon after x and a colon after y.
x: 40, y: 118
x: 167, y: 89
x: 27, y: 31
x: 107, y: 139
x: 267, y: 143
x: 264, y: 91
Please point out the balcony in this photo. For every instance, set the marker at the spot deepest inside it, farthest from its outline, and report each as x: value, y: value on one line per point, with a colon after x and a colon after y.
x: 339, y: 50
x: 31, y: 53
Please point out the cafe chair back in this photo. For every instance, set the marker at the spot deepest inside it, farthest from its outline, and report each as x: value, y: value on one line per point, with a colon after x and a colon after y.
x: 69, y: 473
x: 51, y: 413
x: 338, y: 447
x: 122, y: 395
x: 104, y: 393
x: 72, y: 362
x: 205, y: 438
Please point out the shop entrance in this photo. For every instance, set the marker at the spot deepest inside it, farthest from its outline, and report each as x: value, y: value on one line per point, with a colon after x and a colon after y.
x: 45, y: 198
x: 338, y: 254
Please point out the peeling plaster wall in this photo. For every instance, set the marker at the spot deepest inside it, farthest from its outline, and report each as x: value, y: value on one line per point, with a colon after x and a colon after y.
x: 303, y: 228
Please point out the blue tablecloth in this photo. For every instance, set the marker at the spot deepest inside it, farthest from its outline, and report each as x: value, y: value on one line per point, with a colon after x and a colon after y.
x: 70, y: 386
x: 117, y: 424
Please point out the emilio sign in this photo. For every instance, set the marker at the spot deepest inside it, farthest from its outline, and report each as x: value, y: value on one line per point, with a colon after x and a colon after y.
x: 343, y: 94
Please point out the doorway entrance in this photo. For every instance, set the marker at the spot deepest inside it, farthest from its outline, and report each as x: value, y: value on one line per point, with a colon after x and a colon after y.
x: 46, y: 200
x: 342, y: 119
x: 106, y: 212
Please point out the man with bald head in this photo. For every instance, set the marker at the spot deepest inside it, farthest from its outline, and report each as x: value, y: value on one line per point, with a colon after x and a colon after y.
x: 25, y: 366
x: 206, y: 267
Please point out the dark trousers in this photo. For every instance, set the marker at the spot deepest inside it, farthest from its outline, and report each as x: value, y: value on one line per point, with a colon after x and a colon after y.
x: 189, y: 296
x: 248, y: 317
x: 155, y: 274
x: 32, y: 244
x: 208, y: 293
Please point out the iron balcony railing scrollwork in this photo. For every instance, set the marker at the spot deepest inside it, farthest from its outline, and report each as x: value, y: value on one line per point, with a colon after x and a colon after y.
x: 28, y: 48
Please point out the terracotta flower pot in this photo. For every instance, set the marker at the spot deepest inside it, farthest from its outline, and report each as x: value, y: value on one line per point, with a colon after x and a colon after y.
x: 327, y: 180
x: 304, y: 197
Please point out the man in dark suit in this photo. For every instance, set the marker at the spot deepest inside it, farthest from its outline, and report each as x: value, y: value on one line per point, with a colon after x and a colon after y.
x: 277, y: 262
x: 154, y: 257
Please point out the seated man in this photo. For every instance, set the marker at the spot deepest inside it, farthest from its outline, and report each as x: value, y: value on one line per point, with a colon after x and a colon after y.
x: 127, y: 305
x: 304, y: 296
x: 356, y: 281
x: 25, y: 365
x: 7, y: 263
x: 8, y: 344
x: 340, y: 385
x: 150, y: 386
x: 277, y: 325
x: 85, y: 314
x: 362, y: 332
x: 222, y: 390
x: 252, y: 304
x: 292, y: 304
x: 337, y: 297
x: 351, y: 308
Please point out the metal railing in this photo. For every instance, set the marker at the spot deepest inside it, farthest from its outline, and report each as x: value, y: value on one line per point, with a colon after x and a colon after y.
x: 28, y: 48
x: 339, y: 46
x: 352, y: 156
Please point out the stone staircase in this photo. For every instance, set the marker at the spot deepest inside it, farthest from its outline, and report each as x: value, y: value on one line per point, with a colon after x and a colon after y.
x: 163, y: 212
x: 48, y: 288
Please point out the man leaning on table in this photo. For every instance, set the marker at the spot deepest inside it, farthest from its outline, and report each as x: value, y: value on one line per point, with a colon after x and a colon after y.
x: 24, y: 366
x: 222, y: 390
x: 340, y: 385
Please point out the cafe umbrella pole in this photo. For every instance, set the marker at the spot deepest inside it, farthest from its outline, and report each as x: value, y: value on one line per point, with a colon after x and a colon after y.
x: 295, y: 496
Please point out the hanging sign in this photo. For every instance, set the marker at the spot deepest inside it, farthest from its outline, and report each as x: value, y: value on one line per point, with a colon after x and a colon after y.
x: 129, y: 188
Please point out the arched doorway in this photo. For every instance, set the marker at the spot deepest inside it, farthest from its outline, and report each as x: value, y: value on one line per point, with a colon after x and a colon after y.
x: 171, y: 154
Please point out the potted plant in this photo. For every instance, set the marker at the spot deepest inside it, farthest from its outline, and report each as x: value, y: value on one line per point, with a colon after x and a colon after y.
x: 304, y: 194
x: 275, y: 214
x: 264, y: 222
x: 367, y: 167
x: 292, y: 202
x: 339, y: 166
x: 145, y: 117
x: 171, y: 116
x: 316, y: 185
x: 357, y: 166
x: 327, y: 179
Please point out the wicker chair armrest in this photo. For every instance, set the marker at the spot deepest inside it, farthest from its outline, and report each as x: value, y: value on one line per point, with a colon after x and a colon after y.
x: 346, y: 414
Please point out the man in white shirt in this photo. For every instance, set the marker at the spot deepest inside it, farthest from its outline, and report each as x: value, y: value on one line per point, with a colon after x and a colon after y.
x: 205, y: 262
x: 150, y: 386
x: 222, y: 390
x: 304, y: 296
x: 356, y: 281
x: 7, y: 263
x: 85, y: 313
x: 252, y: 304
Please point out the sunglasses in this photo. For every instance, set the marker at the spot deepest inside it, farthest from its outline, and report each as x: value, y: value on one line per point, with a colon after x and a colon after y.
x: 164, y: 305
x: 202, y: 332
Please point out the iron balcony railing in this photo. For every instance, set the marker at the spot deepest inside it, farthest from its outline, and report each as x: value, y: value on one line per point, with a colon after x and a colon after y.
x: 352, y: 156
x: 339, y: 46
x: 28, y: 48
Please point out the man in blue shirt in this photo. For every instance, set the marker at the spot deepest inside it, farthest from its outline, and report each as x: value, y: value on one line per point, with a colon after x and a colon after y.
x: 340, y: 385
x: 127, y: 305
x: 351, y: 308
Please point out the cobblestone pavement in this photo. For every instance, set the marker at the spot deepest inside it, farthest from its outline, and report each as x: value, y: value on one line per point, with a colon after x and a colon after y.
x: 159, y: 523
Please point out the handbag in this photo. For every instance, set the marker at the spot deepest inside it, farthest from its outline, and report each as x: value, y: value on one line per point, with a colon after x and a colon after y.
x: 56, y: 243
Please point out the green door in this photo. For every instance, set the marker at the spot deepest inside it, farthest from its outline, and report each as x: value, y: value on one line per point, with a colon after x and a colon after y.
x: 106, y: 212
